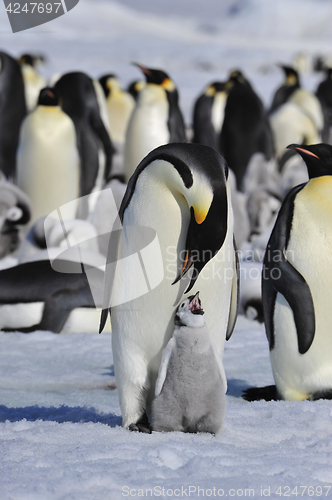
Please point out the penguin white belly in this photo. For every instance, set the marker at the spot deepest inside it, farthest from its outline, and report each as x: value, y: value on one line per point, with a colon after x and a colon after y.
x: 147, y: 128
x: 310, y: 105
x: 218, y: 111
x: 48, y: 161
x: 20, y: 315
x: 33, y: 83
x: 148, y: 321
x: 309, y: 250
x: 120, y: 106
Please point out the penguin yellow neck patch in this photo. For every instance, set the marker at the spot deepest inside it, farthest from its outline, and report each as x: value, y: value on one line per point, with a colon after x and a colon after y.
x: 168, y: 85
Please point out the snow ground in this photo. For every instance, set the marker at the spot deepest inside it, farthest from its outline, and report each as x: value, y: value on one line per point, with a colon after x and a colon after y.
x: 60, y: 433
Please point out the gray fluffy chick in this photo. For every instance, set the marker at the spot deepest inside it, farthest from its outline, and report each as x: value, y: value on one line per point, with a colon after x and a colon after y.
x: 191, y: 384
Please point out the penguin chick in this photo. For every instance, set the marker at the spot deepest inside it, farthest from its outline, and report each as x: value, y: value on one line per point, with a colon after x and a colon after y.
x: 191, y: 384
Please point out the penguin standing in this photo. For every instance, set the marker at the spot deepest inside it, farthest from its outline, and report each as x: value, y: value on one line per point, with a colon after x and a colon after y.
x: 180, y: 193
x: 79, y: 101
x: 156, y: 119
x: 297, y: 286
x: 208, y: 116
x: 245, y: 129
x: 12, y: 112
x: 47, y: 160
x: 34, y: 82
x: 191, y: 384
x: 291, y: 91
x: 120, y: 105
x: 324, y: 94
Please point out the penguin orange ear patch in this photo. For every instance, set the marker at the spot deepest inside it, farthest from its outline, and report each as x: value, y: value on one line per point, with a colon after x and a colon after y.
x: 24, y: 15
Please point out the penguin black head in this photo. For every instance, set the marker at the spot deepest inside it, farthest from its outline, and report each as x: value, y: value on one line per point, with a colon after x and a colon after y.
x: 103, y: 82
x: 48, y: 97
x: 189, y: 312
x: 318, y: 158
x: 30, y: 60
x: 292, y: 76
x: 158, y: 77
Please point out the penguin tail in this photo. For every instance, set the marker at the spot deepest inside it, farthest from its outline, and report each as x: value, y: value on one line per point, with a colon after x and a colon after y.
x: 103, y: 320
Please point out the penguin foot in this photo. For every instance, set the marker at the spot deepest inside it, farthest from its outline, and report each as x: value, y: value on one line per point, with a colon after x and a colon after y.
x: 142, y: 425
x: 268, y: 393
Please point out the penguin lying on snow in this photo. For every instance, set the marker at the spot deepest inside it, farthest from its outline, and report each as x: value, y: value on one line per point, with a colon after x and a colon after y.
x: 182, y: 193
x: 191, y: 384
x: 33, y: 296
x: 297, y: 286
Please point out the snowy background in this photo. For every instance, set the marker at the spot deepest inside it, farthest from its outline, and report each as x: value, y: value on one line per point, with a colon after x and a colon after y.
x: 60, y: 420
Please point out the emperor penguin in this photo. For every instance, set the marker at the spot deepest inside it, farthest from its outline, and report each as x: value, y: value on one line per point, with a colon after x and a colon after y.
x: 79, y: 101
x: 209, y: 113
x: 34, y: 296
x: 155, y: 120
x: 296, y: 286
x: 292, y: 91
x: 135, y: 87
x: 191, y: 384
x: 120, y: 105
x: 324, y: 94
x: 246, y: 129
x: 179, y: 198
x: 12, y: 112
x: 34, y: 82
x: 48, y: 167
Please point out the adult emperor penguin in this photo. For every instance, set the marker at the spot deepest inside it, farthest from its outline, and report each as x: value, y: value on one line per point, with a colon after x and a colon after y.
x: 208, y: 116
x: 245, y: 129
x: 156, y: 119
x: 120, y: 105
x: 191, y: 384
x: 12, y: 112
x: 33, y: 296
x: 292, y: 91
x: 324, y: 94
x: 48, y: 160
x: 34, y: 82
x: 79, y: 101
x: 180, y: 194
x: 297, y: 286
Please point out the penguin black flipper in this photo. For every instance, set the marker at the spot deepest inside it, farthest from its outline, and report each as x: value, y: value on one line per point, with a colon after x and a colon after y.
x: 204, y: 132
x: 278, y: 274
x: 175, y: 122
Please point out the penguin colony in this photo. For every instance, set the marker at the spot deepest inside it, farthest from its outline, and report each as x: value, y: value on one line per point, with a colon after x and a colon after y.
x: 228, y: 180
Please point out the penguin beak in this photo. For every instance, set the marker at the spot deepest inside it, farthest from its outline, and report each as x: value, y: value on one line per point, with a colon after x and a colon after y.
x: 301, y: 149
x: 197, y: 255
x: 144, y: 70
x: 195, y: 305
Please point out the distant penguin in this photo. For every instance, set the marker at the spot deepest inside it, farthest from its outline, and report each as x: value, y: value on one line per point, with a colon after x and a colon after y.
x: 135, y: 87
x: 245, y: 129
x: 291, y: 91
x: 296, y: 286
x: 33, y: 81
x: 191, y: 384
x: 12, y: 112
x: 180, y: 193
x: 120, y: 105
x: 156, y: 119
x: 33, y: 296
x: 48, y: 161
x: 208, y: 116
x: 79, y: 101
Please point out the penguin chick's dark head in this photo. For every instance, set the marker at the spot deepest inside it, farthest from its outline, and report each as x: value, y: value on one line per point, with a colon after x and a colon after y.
x: 158, y: 77
x: 190, y: 313
x: 318, y: 158
x: 48, y: 97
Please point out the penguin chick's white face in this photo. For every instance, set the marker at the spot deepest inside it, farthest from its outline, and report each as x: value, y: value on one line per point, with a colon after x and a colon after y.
x: 190, y: 313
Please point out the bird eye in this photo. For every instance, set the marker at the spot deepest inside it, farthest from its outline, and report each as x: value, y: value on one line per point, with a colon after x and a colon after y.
x: 182, y: 305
